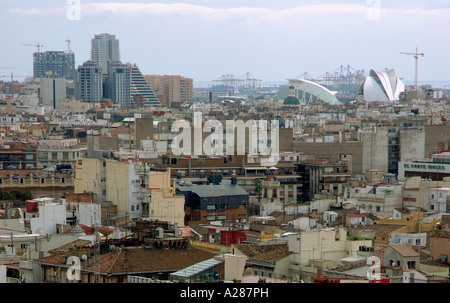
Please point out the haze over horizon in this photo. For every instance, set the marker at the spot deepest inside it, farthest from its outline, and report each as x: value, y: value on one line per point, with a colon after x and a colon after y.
x: 205, y: 39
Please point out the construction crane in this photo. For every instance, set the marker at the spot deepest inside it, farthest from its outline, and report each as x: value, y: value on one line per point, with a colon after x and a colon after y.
x: 21, y: 76
x: 416, y: 56
x: 38, y: 45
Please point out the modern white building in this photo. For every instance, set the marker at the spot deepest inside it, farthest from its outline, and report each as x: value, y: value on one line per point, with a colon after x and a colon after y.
x: 104, y: 49
x: 382, y: 86
x: 50, y: 214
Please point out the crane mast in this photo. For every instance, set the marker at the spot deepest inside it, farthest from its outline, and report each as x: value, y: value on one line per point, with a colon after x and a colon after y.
x: 416, y: 56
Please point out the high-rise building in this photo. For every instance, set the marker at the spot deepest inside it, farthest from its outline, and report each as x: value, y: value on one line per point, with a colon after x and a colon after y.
x: 140, y: 87
x: 119, y: 84
x: 172, y: 90
x: 104, y: 49
x: 52, y: 91
x: 89, y: 82
x: 59, y: 63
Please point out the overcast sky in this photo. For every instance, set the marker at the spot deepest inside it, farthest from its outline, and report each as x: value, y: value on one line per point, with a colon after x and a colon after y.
x: 205, y: 39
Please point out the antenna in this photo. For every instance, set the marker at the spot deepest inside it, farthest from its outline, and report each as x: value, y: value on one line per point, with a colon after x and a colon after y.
x: 416, y: 56
x: 68, y: 45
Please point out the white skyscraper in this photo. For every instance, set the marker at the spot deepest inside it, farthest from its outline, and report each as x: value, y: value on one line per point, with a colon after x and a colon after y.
x: 104, y: 49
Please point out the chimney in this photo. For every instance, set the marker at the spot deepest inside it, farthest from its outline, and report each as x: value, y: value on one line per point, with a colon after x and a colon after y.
x: 215, y: 177
x: 233, y: 179
x: 319, y: 273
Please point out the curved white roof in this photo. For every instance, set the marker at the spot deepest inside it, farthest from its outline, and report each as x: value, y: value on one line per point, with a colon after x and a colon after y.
x: 319, y: 91
x: 382, y: 86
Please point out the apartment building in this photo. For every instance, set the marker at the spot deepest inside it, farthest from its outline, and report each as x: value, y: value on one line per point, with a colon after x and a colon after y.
x: 141, y: 92
x: 220, y: 200
x: 58, y: 63
x: 433, y: 196
x: 118, y: 84
x: 104, y: 49
x: 89, y: 82
x: 59, y: 151
x: 323, y: 248
x: 121, y: 183
x: 323, y: 177
x: 375, y: 198
x: 172, y: 90
x: 164, y: 204
x: 52, y: 91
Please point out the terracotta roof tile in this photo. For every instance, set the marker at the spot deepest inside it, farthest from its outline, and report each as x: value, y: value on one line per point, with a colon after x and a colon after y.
x: 77, y: 244
x: 405, y: 250
x: 142, y: 259
x: 89, y: 230
x: 265, y: 252
x: 379, y: 229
